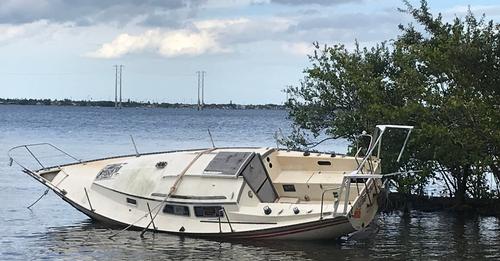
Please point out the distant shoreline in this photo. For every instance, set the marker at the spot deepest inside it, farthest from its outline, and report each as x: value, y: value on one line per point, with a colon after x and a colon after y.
x: 136, y: 104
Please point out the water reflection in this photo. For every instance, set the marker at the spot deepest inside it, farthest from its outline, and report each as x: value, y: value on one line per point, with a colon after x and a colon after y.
x: 416, y: 236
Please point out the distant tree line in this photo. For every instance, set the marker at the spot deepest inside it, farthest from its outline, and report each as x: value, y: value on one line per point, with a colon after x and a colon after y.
x: 134, y: 104
x: 442, y: 77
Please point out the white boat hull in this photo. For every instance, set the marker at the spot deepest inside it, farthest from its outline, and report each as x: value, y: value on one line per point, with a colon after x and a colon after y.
x: 231, y: 193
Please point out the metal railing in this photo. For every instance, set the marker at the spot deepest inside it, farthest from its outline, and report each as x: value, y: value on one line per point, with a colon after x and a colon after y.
x: 28, y: 148
x: 345, y: 190
x: 368, y: 179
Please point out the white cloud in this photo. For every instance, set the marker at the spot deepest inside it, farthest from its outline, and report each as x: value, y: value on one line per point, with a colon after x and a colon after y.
x: 168, y: 44
x: 41, y: 28
x: 202, y: 37
x: 189, y: 43
x: 124, y: 44
x: 10, y: 32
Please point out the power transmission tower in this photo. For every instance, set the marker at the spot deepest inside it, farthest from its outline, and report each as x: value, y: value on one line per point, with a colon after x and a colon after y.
x: 116, y: 85
x: 121, y: 67
x: 203, y: 89
x: 199, y: 74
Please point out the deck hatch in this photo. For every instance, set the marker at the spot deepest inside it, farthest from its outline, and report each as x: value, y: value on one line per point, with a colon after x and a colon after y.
x: 227, y: 163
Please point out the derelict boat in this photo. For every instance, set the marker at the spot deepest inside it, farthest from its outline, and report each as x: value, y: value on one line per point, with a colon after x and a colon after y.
x: 225, y: 192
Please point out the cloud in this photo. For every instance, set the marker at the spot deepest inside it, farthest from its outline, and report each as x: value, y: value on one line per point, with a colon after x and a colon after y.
x: 311, y: 2
x: 347, y: 27
x: 86, y: 12
x: 167, y: 44
x: 351, y: 21
x: 245, y: 30
x: 8, y: 33
x: 201, y: 37
x: 12, y: 32
x: 294, y: 33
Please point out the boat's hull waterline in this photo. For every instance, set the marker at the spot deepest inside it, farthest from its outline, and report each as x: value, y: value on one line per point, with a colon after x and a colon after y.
x: 233, y: 193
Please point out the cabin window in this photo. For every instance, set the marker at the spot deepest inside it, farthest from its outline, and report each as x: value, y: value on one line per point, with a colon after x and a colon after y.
x: 109, y: 171
x: 289, y: 188
x: 176, y: 210
x: 211, y: 211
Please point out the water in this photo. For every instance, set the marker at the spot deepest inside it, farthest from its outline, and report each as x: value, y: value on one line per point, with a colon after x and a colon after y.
x: 54, y: 230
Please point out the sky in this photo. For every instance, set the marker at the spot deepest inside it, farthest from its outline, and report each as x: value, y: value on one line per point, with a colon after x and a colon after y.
x: 250, y: 49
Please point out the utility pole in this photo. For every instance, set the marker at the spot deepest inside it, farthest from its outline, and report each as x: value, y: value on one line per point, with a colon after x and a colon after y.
x: 121, y: 67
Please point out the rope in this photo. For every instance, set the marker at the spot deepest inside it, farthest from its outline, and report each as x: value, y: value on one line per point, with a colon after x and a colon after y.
x: 314, y: 144
x: 131, y: 224
x: 174, y: 187
x: 172, y: 191
x: 36, y: 201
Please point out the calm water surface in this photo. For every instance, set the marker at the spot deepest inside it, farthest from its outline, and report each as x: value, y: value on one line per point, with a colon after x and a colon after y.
x: 54, y: 230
